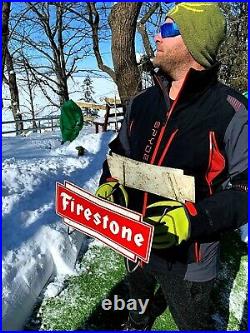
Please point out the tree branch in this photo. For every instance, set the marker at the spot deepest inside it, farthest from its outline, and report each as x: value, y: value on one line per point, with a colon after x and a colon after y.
x: 141, y: 26
x: 94, y: 23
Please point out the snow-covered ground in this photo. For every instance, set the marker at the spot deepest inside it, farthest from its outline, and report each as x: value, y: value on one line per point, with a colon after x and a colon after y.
x: 36, y: 246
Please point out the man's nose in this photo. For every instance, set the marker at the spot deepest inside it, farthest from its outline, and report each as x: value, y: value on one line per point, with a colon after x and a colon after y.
x: 157, y: 37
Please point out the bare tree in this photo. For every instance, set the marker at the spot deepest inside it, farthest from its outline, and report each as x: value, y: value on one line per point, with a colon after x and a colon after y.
x: 29, y: 87
x: 120, y: 33
x: 52, y: 35
x: 5, y: 30
x: 122, y: 20
x: 141, y: 26
x: 93, y: 20
x: 14, y: 92
x: 49, y: 39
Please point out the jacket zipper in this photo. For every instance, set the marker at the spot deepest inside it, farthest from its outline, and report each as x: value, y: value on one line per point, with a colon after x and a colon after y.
x: 168, y: 114
x: 145, y: 199
x: 210, y: 161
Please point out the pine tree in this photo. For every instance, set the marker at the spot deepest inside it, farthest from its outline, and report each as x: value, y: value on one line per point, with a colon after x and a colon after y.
x: 233, y: 53
x: 88, y: 90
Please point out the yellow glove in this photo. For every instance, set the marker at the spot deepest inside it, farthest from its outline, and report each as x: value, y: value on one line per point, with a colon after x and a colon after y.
x: 114, y: 192
x: 171, y: 223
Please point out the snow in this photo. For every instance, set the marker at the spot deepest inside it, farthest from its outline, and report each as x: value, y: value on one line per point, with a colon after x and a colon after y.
x: 36, y: 245
x: 244, y: 233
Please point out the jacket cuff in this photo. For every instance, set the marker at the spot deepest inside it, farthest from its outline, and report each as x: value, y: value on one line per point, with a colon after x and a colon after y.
x: 200, y: 221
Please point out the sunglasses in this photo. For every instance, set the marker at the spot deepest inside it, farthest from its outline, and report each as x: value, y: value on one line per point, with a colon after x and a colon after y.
x: 169, y: 30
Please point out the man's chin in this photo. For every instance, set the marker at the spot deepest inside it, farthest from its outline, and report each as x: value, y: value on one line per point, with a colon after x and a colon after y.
x: 156, y: 62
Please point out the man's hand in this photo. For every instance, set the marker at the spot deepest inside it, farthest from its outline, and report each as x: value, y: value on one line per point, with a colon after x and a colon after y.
x: 114, y: 192
x: 171, y: 223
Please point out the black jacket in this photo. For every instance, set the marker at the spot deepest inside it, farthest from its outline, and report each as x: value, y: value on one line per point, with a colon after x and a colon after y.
x: 203, y: 132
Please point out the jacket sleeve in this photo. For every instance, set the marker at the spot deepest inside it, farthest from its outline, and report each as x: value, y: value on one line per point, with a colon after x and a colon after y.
x: 228, y: 208
x: 120, y: 145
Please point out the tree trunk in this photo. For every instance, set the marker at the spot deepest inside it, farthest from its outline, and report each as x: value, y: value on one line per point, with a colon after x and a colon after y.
x: 62, y: 88
x: 14, y: 93
x: 5, y: 30
x: 122, y: 21
x: 61, y: 77
x: 31, y: 98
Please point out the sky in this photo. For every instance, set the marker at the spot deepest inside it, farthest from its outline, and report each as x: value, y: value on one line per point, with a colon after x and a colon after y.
x: 85, y: 63
x: 89, y: 61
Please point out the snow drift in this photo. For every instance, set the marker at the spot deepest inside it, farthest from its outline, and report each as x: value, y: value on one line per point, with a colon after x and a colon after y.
x: 36, y: 245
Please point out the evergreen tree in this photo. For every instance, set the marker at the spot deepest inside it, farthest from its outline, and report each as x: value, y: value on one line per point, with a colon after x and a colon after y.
x: 88, y: 90
x: 233, y: 53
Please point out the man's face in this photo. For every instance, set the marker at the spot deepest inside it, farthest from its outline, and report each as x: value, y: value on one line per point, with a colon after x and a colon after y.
x: 171, y: 52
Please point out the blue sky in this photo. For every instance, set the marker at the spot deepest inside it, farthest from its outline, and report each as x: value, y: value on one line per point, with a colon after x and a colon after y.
x: 88, y: 62
x: 106, y: 47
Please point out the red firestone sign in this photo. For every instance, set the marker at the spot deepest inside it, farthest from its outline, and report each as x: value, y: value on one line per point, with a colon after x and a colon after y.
x: 120, y: 228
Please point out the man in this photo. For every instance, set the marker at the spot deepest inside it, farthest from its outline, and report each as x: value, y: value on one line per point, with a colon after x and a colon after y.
x: 189, y: 121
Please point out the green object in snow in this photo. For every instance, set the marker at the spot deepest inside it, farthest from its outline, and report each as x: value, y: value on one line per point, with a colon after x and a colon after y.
x: 245, y: 94
x: 71, y: 120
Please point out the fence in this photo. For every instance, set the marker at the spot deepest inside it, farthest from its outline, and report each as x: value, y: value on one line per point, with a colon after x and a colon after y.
x: 40, y: 124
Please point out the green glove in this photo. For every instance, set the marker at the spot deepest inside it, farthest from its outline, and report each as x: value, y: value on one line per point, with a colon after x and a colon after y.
x: 114, y: 192
x: 171, y: 223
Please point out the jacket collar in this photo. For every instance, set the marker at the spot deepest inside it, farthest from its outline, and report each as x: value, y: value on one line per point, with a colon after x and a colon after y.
x: 195, y: 82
